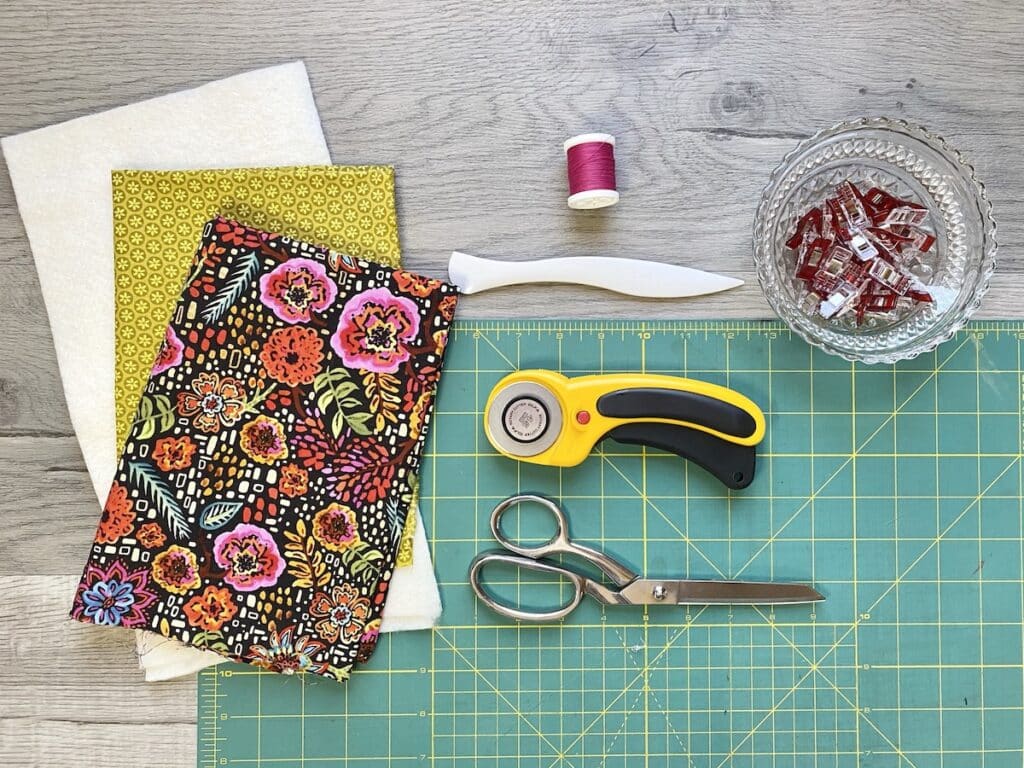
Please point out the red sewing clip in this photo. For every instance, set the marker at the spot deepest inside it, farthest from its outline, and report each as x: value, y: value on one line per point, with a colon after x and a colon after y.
x: 855, y: 250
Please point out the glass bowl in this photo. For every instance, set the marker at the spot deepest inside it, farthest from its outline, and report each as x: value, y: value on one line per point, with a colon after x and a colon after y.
x: 910, y: 163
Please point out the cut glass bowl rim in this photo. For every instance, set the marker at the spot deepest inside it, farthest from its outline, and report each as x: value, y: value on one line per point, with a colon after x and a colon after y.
x: 764, y: 254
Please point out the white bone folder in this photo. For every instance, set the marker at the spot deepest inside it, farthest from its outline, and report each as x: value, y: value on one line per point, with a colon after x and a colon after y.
x: 633, y: 277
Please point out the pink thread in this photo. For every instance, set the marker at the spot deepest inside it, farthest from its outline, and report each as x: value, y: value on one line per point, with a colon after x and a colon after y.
x: 591, y: 166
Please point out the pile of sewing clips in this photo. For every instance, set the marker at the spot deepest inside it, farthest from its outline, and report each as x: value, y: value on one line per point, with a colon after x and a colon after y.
x: 855, y: 252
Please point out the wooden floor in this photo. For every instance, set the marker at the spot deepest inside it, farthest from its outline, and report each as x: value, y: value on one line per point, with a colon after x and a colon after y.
x: 471, y: 102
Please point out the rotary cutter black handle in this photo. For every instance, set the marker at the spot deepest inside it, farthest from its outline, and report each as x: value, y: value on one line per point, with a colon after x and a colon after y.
x: 677, y: 405
x: 731, y: 463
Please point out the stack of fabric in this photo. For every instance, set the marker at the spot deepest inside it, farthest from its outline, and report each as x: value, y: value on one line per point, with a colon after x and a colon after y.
x: 263, y: 507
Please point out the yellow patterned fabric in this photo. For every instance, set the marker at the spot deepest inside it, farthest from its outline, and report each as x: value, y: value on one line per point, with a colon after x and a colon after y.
x: 158, y: 220
x: 404, y: 556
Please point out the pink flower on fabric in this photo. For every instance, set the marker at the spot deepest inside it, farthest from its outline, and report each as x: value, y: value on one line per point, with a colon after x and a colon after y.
x: 374, y: 329
x: 170, y: 354
x: 296, y: 289
x: 249, y: 557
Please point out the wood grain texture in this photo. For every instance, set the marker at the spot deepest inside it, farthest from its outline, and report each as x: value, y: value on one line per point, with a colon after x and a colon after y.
x: 471, y: 102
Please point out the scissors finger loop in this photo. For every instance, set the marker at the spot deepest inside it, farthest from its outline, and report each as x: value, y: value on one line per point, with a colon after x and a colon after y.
x: 475, y: 581
x: 559, y: 541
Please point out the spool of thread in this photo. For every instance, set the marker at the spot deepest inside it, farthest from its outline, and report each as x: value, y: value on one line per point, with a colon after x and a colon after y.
x: 590, y: 161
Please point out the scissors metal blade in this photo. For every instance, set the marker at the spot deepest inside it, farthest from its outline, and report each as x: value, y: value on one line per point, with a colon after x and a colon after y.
x: 687, y: 592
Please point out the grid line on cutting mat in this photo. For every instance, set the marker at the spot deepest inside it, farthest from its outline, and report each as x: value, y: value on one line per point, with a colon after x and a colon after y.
x: 913, y: 661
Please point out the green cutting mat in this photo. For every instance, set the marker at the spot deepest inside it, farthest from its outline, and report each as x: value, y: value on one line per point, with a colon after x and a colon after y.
x: 895, y: 490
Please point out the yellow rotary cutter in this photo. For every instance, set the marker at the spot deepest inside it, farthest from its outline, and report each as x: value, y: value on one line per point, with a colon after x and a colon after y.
x: 544, y: 417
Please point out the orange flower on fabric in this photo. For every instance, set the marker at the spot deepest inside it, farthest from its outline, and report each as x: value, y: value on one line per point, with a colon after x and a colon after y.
x: 211, y: 609
x: 294, y: 480
x: 335, y: 527
x: 172, y: 453
x: 150, y: 536
x: 447, y: 307
x: 293, y: 355
x: 263, y: 440
x: 342, y: 614
x: 415, y: 285
x: 176, y: 570
x: 213, y: 401
x: 118, y: 516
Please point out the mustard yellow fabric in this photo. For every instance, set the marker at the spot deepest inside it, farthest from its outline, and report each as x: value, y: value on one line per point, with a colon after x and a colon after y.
x: 158, y: 221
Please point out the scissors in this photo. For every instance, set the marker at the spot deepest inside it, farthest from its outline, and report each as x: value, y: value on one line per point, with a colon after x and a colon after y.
x: 628, y: 589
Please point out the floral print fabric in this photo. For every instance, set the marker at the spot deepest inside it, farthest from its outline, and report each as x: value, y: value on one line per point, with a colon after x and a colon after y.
x: 259, y: 502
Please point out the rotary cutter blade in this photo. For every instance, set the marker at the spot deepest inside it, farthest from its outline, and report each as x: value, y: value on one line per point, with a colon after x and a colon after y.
x: 524, y: 419
x: 544, y: 417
